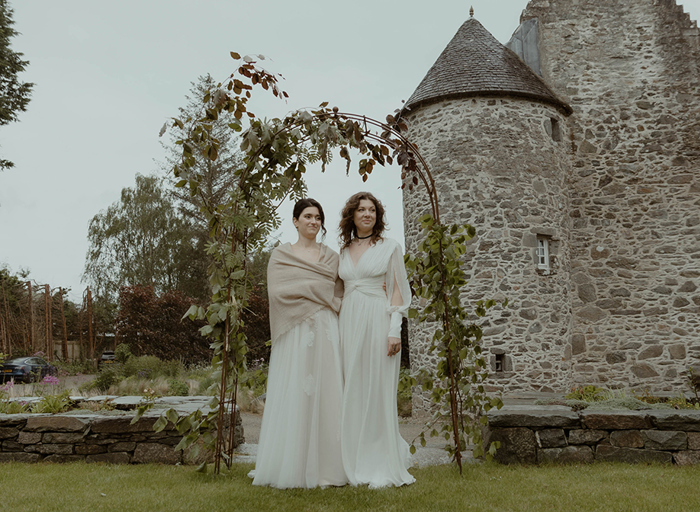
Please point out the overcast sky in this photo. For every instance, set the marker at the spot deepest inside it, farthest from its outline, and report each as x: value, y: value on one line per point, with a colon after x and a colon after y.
x: 109, y: 74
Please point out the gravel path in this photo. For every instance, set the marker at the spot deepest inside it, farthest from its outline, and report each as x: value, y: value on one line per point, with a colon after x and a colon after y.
x: 432, y: 454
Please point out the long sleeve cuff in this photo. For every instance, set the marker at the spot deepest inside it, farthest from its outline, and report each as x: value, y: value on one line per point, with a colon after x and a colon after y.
x: 395, y: 325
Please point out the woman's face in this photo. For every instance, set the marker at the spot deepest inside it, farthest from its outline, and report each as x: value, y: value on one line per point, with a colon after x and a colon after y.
x: 309, y: 222
x: 365, y: 217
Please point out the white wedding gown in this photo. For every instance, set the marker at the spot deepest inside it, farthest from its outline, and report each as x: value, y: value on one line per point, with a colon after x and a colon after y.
x: 373, y: 450
x: 299, y: 442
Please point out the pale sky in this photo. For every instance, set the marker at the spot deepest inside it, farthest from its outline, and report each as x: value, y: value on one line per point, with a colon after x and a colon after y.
x: 109, y: 74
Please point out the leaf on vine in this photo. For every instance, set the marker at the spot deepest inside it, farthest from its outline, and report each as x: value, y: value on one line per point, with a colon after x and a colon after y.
x: 235, y: 55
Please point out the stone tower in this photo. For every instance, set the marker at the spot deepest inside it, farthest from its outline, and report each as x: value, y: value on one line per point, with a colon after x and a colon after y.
x: 496, y: 138
x: 630, y: 69
x: 581, y: 172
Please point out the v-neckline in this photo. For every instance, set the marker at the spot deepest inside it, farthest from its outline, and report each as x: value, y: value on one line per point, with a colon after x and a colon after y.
x: 356, y: 263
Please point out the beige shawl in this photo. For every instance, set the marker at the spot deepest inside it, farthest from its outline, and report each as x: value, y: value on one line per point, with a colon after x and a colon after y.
x: 297, y: 288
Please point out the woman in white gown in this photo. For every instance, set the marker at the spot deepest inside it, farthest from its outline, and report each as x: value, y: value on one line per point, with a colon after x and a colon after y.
x: 374, y: 452
x: 299, y: 443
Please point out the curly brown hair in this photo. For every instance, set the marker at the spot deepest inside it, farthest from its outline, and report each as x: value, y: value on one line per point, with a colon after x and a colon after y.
x: 348, y: 231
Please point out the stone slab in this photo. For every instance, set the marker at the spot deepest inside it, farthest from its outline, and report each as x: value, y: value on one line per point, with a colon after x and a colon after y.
x: 123, y: 446
x: 627, y: 439
x: 29, y: 458
x: 665, y: 440
x: 56, y: 423
x: 546, y: 416
x: 688, y: 421
x: 551, y: 438
x: 518, y: 445
x: 29, y: 437
x: 8, y: 432
x: 616, y: 420
x: 62, y: 437
x: 586, y: 436
x: 693, y: 440
x: 90, y: 449
x: 687, y: 458
x: 122, y: 424
x: 569, y: 455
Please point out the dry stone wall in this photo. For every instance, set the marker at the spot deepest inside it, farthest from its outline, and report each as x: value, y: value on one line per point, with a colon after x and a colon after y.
x: 94, y: 438
x: 537, y: 434
x: 630, y: 70
x: 502, y: 166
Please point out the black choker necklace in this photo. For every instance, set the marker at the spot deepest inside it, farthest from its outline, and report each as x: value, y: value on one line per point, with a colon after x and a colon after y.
x: 363, y: 237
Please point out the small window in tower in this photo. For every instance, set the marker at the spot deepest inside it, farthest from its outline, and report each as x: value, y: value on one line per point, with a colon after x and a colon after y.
x: 542, y: 253
x: 556, y: 130
x: 500, y: 362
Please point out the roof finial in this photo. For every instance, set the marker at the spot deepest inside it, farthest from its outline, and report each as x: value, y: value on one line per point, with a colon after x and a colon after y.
x: 471, y: 11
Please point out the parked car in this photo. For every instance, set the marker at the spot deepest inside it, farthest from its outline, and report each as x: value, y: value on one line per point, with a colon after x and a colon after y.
x: 107, y: 358
x: 26, y: 369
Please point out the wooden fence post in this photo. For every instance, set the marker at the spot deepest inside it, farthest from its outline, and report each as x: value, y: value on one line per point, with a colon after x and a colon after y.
x: 47, y: 315
x: 91, y: 340
x: 8, y: 339
x: 31, y: 318
x: 64, y: 348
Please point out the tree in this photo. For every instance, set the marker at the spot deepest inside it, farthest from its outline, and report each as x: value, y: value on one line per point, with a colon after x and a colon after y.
x: 216, y: 178
x: 151, y: 324
x: 14, y: 94
x: 142, y: 239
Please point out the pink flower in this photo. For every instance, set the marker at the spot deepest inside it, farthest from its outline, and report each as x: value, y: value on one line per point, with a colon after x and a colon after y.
x: 50, y: 379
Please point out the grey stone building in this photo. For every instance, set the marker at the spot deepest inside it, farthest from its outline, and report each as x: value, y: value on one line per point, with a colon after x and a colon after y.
x: 575, y: 152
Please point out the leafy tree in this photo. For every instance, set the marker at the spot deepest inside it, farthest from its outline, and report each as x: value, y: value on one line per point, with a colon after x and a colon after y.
x: 151, y: 325
x: 14, y: 94
x: 142, y: 239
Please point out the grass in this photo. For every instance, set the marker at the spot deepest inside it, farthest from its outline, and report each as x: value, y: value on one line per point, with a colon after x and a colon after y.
x: 488, y: 487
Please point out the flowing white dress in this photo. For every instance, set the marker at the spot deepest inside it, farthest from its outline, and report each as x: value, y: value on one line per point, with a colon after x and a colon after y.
x: 373, y: 450
x: 299, y: 443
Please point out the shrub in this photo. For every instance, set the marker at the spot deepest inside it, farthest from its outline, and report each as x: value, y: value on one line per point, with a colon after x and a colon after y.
x: 587, y: 394
x: 178, y: 388
x: 150, y: 367
x: 123, y: 353
x: 85, y: 367
x: 104, y: 380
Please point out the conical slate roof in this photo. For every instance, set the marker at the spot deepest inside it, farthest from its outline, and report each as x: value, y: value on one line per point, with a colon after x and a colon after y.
x: 474, y: 63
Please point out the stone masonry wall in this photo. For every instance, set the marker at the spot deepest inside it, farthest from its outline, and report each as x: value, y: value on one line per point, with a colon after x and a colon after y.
x: 93, y: 438
x: 536, y: 434
x: 498, y: 167
x: 630, y: 70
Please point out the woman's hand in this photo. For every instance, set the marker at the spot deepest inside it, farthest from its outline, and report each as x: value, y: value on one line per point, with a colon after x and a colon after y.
x: 394, y: 346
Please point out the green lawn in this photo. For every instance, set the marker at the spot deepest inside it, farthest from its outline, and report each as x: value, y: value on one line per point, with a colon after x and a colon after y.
x: 598, y: 487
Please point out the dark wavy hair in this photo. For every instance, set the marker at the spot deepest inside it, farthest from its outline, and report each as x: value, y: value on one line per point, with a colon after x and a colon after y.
x: 307, y: 202
x: 347, y: 219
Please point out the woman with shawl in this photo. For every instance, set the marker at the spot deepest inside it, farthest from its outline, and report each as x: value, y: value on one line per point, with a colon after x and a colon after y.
x: 374, y: 452
x: 299, y: 443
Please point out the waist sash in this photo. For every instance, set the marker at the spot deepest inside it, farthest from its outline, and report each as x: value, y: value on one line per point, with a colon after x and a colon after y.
x: 370, y: 286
